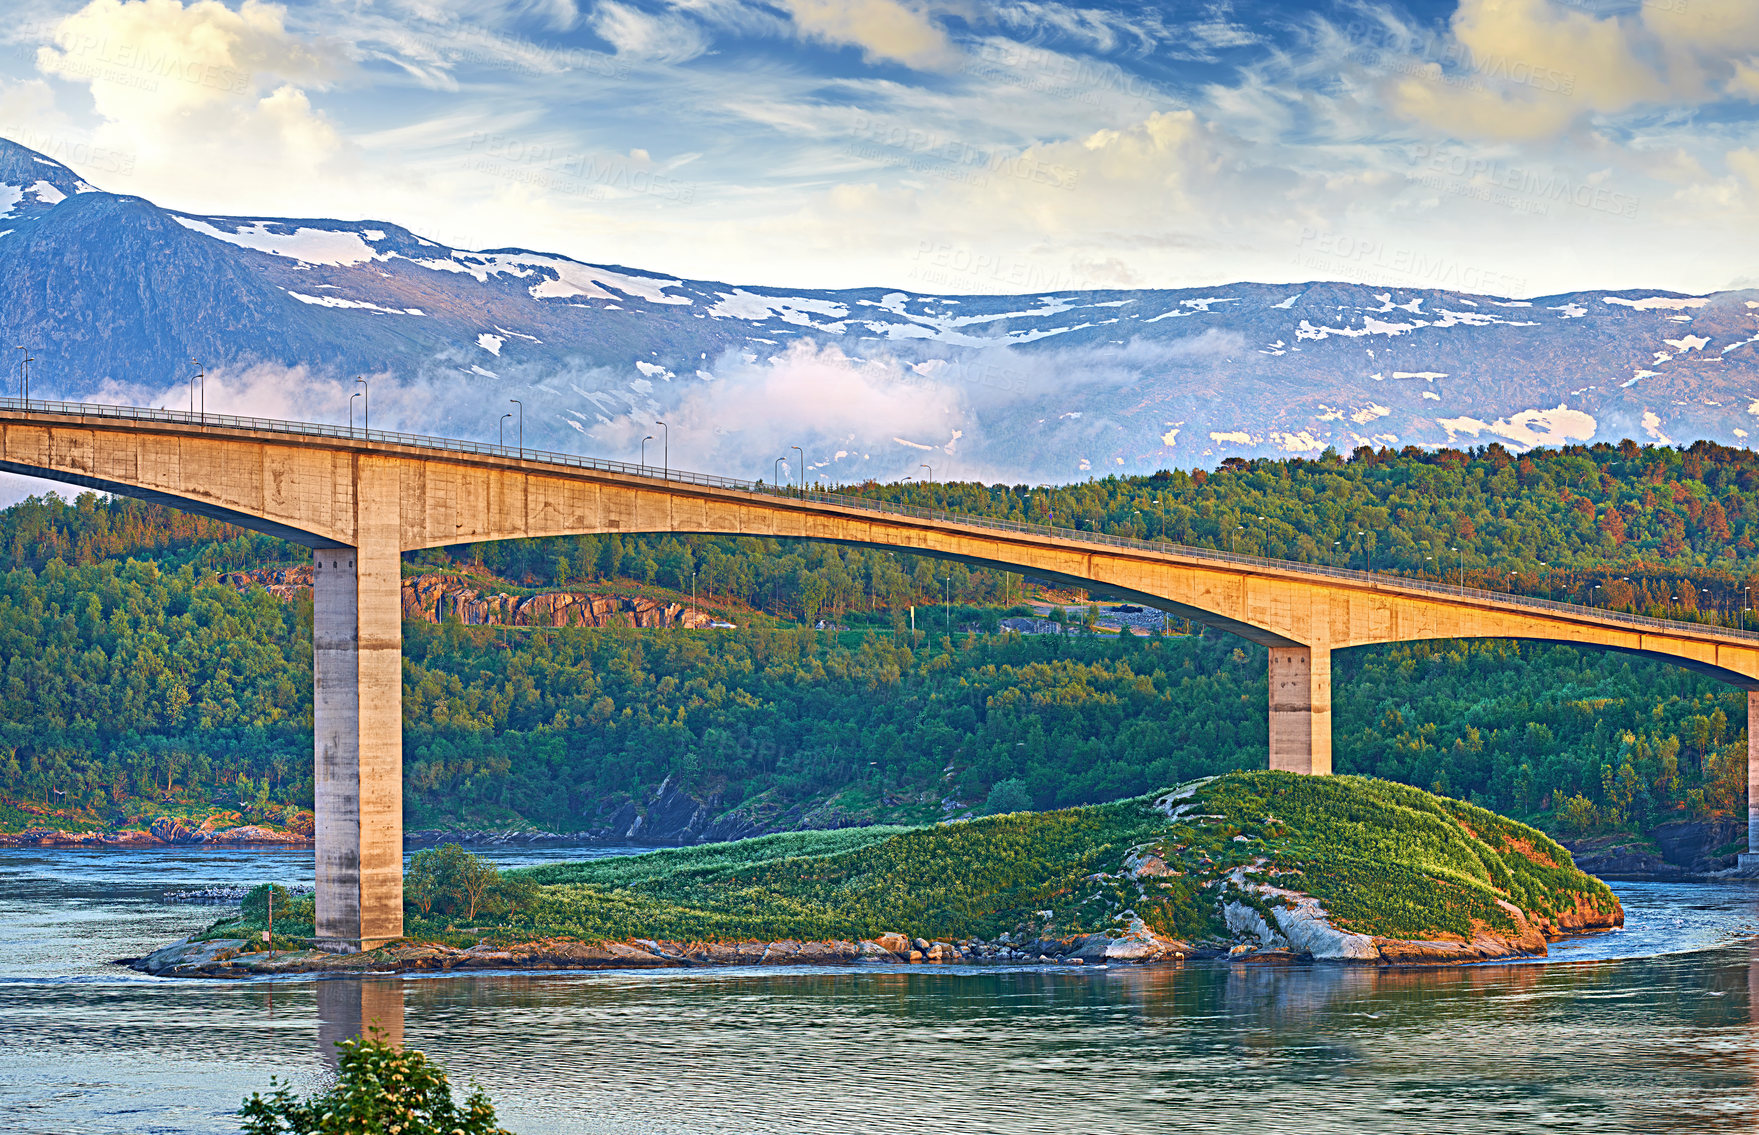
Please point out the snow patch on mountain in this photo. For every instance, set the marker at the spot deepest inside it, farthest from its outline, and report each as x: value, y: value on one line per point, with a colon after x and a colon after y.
x: 1528, y: 428
x: 490, y: 343
x: 363, y: 305
x: 741, y: 304
x: 1657, y: 303
x: 307, y: 245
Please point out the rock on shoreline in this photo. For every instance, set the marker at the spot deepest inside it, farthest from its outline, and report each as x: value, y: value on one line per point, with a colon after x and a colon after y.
x: 1302, y: 935
x: 163, y: 833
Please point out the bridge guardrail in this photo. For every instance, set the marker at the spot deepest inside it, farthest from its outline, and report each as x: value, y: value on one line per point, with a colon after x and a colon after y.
x: 845, y: 500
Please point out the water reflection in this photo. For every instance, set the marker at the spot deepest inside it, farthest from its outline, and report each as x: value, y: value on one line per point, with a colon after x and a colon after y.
x: 349, y: 1008
x: 1650, y: 1041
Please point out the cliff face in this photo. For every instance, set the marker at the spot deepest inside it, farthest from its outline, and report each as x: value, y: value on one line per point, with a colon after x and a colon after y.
x: 435, y: 598
x: 1677, y: 850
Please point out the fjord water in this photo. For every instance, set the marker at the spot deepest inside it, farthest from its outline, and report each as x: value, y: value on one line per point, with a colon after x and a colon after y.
x: 1652, y: 1028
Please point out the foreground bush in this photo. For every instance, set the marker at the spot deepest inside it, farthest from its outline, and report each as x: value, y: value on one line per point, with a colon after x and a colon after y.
x: 380, y: 1090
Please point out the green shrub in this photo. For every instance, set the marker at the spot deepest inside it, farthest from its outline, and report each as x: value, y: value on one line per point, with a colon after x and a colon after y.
x: 1008, y: 796
x: 451, y: 882
x: 379, y: 1088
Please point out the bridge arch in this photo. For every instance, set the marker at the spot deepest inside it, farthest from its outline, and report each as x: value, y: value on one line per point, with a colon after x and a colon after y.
x: 359, y: 501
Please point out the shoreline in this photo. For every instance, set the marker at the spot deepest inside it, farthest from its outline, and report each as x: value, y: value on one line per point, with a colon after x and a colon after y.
x: 242, y: 958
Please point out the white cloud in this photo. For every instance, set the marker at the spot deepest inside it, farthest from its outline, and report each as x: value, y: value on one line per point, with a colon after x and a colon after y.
x: 201, y: 87
x: 883, y: 29
x: 666, y: 38
x: 1530, y: 69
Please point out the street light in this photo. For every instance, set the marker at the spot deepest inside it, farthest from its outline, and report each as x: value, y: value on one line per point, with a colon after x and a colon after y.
x: 644, y: 442
x: 504, y: 418
x: 25, y: 375
x: 521, y: 406
x: 778, y: 471
x: 351, y: 399
x: 665, y: 449
x: 930, y: 469
x: 193, y: 379
x: 366, y: 404
x: 800, y: 476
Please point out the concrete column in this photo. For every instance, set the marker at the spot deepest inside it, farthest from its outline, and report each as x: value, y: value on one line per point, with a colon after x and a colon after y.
x: 1300, y: 709
x: 357, y: 642
x: 1751, y: 859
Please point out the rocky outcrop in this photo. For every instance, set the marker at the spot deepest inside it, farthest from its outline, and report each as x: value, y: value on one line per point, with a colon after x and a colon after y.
x: 239, y: 957
x: 1677, y: 850
x: 164, y: 830
x: 436, y: 598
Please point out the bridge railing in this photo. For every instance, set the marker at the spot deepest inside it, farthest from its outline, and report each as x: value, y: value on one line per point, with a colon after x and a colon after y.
x: 869, y: 504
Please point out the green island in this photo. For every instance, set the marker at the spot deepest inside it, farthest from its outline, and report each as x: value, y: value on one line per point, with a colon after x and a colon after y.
x: 1258, y: 865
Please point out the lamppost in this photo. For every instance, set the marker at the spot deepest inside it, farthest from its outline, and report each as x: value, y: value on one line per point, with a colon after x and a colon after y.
x: 366, y: 404
x: 25, y: 375
x: 644, y: 442
x: 351, y: 399
x: 504, y: 418
x: 800, y: 476
x: 778, y: 471
x: 521, y: 406
x: 192, y: 381
x: 930, y: 469
x: 665, y: 448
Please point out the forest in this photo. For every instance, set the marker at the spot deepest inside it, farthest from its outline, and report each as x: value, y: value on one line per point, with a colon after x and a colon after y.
x: 134, y: 681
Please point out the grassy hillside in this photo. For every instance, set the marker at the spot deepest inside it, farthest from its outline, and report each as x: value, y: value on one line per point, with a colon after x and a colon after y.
x: 1383, y: 859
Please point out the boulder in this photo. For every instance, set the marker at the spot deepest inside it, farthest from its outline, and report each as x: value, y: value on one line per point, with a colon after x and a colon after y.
x: 895, y: 943
x: 170, y: 830
x: 187, y: 956
x: 1309, y: 931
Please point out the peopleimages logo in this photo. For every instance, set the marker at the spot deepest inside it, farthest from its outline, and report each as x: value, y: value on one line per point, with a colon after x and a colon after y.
x: 1528, y: 182
x: 545, y: 166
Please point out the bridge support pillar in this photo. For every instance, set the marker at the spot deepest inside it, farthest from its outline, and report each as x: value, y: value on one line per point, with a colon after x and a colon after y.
x: 1300, y: 709
x: 1751, y: 859
x: 357, y: 642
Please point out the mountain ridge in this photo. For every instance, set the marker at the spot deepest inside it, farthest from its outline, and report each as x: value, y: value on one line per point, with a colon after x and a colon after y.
x: 121, y: 299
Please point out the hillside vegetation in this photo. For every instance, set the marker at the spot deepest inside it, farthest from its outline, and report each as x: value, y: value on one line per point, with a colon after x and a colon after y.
x: 133, y: 685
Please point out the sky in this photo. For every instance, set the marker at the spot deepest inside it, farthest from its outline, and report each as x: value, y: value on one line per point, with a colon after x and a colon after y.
x: 1535, y: 146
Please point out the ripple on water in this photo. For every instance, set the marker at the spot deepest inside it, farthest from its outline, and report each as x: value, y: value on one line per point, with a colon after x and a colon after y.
x: 1636, y: 1037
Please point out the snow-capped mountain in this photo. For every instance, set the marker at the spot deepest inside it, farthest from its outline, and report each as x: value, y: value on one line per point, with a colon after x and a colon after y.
x: 120, y: 299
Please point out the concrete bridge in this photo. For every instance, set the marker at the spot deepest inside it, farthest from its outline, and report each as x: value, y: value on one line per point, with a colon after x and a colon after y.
x: 359, y: 501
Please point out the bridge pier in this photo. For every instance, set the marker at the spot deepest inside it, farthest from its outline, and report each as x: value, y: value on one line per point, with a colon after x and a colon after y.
x: 357, y: 645
x: 1751, y: 859
x: 1300, y: 709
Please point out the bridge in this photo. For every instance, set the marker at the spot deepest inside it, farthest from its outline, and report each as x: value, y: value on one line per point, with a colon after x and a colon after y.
x: 359, y: 500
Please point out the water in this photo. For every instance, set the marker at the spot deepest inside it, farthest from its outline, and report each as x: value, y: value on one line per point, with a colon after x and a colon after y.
x: 1655, y: 1028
